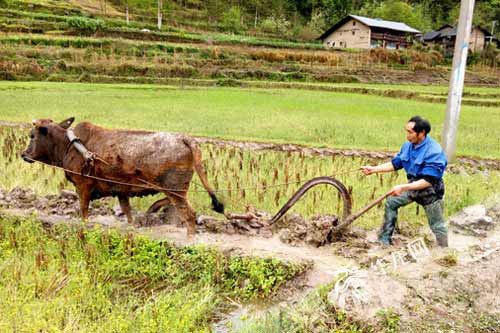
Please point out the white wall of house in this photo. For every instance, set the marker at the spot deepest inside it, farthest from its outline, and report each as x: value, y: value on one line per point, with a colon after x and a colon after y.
x: 352, y: 34
x: 476, y: 43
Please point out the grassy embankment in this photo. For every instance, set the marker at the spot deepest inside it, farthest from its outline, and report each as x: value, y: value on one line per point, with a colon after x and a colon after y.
x: 75, y: 279
x: 317, y: 118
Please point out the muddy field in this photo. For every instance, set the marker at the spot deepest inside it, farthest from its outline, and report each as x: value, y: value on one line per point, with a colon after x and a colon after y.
x: 428, y: 290
x: 435, y: 290
x: 291, y: 229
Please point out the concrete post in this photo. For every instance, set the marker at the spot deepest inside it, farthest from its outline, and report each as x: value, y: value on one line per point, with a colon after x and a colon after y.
x: 457, y: 78
x: 160, y: 13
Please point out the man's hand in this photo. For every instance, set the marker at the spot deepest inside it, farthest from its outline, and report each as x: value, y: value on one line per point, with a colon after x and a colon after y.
x: 398, y: 190
x: 368, y: 170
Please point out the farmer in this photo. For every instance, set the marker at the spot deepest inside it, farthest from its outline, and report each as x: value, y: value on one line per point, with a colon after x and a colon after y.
x: 424, y: 162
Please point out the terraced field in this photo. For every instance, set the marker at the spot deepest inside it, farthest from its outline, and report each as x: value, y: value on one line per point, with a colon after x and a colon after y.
x: 269, y: 114
x: 40, y: 44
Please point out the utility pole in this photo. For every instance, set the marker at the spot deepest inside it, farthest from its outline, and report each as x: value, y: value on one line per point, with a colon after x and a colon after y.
x: 492, y: 30
x: 457, y: 78
x: 127, y: 19
x: 160, y: 13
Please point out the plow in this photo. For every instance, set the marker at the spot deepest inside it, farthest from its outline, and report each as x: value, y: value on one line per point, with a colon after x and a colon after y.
x: 347, y: 216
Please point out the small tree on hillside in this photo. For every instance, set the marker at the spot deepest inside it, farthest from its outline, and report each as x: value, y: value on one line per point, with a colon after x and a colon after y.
x: 232, y: 20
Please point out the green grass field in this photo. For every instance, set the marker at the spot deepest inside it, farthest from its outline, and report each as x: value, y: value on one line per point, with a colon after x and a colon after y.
x: 314, y: 118
x: 435, y: 89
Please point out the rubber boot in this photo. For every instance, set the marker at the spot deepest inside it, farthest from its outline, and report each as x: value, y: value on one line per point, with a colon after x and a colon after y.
x: 442, y: 241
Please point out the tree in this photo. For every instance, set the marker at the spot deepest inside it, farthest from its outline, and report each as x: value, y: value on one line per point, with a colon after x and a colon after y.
x: 399, y: 11
x: 232, y: 20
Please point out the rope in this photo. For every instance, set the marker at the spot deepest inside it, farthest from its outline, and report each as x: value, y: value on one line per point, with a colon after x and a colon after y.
x: 151, y: 187
x: 157, y: 187
x: 284, y: 184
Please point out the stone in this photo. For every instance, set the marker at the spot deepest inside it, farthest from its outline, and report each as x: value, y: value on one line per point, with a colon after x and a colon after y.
x: 475, y: 220
x: 67, y: 194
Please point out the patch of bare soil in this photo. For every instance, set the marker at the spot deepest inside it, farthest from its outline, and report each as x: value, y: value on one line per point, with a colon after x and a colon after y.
x: 97, y: 7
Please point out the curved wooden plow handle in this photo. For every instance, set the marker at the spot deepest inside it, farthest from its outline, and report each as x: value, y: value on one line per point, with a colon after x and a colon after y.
x: 346, y: 197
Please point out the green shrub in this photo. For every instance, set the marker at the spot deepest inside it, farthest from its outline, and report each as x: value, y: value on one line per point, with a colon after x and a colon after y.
x: 473, y: 58
x: 491, y: 55
x: 7, y: 76
x: 86, y: 25
x: 232, y: 20
x: 85, y: 77
x: 228, y: 83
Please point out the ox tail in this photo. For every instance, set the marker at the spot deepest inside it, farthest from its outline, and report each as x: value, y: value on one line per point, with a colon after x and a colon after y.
x: 216, y: 204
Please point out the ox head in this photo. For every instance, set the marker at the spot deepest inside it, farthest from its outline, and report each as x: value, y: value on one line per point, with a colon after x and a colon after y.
x: 43, y: 139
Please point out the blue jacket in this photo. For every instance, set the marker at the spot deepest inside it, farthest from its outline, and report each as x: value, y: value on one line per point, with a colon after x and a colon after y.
x: 424, y: 160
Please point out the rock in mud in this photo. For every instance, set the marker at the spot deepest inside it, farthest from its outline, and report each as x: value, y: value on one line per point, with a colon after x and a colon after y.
x: 67, y: 194
x: 475, y: 220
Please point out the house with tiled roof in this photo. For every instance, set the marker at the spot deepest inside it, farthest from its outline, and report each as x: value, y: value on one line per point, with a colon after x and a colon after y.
x: 445, y: 37
x: 363, y: 33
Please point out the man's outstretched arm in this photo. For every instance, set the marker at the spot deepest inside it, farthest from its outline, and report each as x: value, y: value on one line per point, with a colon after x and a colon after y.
x: 386, y: 167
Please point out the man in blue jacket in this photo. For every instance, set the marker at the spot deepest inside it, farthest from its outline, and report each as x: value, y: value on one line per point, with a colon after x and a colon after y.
x: 424, y: 162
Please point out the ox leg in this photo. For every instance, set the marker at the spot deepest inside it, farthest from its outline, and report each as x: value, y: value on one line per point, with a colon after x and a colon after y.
x: 125, y: 206
x: 84, y: 196
x: 186, y: 212
x: 158, y: 204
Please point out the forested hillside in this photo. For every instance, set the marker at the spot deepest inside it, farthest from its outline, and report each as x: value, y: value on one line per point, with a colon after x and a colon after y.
x: 306, y: 19
x: 218, y: 42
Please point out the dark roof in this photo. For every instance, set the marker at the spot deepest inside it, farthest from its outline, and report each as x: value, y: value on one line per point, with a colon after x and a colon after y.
x: 452, y: 33
x: 444, y: 26
x: 378, y: 23
x: 431, y: 35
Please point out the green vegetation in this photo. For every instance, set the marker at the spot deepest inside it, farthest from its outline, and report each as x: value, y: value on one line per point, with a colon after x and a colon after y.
x: 40, y: 22
x: 390, y: 321
x: 138, y: 53
x: 313, y: 118
x: 312, y: 314
x: 450, y: 259
x: 266, y: 180
x: 97, y: 280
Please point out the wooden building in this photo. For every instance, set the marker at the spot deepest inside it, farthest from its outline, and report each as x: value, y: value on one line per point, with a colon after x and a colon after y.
x: 446, y: 35
x: 363, y: 33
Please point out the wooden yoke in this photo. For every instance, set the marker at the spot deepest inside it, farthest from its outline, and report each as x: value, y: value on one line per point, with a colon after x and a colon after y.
x: 88, y: 156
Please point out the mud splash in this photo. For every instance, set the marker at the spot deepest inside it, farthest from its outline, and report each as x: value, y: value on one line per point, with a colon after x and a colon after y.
x: 292, y: 229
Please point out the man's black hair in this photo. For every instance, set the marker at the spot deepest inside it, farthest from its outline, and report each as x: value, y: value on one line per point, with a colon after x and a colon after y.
x: 421, y: 124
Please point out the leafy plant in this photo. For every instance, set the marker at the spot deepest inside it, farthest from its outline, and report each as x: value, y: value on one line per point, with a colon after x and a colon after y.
x: 86, y: 25
x: 232, y: 20
x: 389, y: 320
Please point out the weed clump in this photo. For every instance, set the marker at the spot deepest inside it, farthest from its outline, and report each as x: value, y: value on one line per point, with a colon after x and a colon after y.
x: 448, y: 260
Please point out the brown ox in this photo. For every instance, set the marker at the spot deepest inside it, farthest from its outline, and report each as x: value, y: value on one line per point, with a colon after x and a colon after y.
x: 133, y: 157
